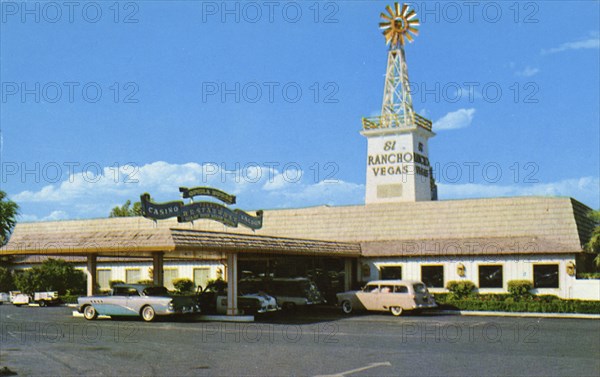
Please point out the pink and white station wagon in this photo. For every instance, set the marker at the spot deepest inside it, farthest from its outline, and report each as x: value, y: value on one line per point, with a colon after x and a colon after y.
x: 394, y: 296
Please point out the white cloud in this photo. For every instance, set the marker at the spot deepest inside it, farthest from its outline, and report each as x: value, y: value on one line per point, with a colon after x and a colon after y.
x: 592, y: 42
x: 528, y: 72
x: 87, y: 195
x: 53, y: 216
x: 457, y: 119
x: 584, y: 189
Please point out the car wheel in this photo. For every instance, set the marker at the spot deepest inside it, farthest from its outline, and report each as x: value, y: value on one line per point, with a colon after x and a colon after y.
x: 396, y: 310
x: 148, y: 314
x: 347, y: 307
x: 89, y: 312
x: 42, y: 303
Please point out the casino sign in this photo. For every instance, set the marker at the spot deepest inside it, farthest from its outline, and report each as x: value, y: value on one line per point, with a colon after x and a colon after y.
x: 201, y: 210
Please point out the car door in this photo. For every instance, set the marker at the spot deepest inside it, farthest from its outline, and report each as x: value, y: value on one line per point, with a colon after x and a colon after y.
x: 401, y: 297
x: 208, y: 299
x: 135, y: 301
x: 368, y: 296
x: 114, y: 304
x: 386, y: 297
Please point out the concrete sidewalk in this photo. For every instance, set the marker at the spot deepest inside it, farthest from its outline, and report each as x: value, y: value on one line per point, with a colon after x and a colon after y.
x: 519, y: 314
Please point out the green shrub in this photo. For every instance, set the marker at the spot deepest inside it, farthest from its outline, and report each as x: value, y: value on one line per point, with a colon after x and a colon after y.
x: 52, y: 275
x: 588, y: 275
x: 535, y: 304
x: 111, y: 283
x: 69, y: 299
x: 146, y: 282
x: 183, y: 285
x: 460, y: 289
x: 520, y: 288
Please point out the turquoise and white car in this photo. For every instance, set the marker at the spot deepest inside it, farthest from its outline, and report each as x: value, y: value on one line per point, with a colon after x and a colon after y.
x: 146, y: 301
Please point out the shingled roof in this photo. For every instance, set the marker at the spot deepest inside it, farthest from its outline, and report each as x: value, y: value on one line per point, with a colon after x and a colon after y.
x: 547, y: 224
x: 132, y: 243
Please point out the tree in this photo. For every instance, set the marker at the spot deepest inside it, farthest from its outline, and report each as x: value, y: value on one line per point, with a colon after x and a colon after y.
x: 8, y: 213
x: 126, y: 210
x: 183, y: 285
x: 6, y: 280
x: 593, y: 245
x: 52, y: 275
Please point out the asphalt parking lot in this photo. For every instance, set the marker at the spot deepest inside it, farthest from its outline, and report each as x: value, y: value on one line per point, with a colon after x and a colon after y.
x: 49, y: 341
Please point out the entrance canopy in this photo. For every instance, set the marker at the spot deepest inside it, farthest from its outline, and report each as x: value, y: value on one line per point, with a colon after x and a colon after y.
x: 175, y: 243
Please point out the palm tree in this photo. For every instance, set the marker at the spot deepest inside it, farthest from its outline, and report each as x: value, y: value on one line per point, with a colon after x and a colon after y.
x: 8, y: 214
x: 593, y: 245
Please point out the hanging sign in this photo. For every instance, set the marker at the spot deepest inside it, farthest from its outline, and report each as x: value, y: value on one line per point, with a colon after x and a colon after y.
x: 199, y: 210
x: 207, y: 191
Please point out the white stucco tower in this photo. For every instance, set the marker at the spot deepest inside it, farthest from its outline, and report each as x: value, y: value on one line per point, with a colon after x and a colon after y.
x: 398, y: 167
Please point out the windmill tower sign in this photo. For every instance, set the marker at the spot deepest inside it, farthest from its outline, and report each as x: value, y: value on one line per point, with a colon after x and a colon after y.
x: 398, y: 167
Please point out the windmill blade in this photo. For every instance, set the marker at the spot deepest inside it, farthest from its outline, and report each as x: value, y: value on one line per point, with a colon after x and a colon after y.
x: 404, y: 8
x: 415, y: 22
x: 411, y: 14
x: 390, y: 11
x: 383, y: 15
x: 409, y: 37
x: 384, y: 25
x: 413, y: 30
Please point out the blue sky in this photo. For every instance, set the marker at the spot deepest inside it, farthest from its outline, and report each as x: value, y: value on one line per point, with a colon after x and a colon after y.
x: 102, y: 102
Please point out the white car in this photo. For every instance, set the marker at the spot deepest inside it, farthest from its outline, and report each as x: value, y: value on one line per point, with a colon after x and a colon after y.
x: 21, y: 299
x: 394, y: 296
x: 4, y: 297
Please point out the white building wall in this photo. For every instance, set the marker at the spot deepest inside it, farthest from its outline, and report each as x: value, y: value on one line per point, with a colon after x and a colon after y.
x: 515, y: 267
x: 185, y: 269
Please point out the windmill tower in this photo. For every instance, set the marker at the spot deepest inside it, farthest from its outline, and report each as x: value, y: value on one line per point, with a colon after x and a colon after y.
x: 398, y: 167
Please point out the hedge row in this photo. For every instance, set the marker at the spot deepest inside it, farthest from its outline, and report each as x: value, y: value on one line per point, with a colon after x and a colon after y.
x: 508, y: 304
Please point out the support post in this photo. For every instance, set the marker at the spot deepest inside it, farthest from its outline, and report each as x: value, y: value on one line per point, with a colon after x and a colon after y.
x: 91, y: 274
x: 347, y: 274
x: 232, y: 286
x: 157, y: 268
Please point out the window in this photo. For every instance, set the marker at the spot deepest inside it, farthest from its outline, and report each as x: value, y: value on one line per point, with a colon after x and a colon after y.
x: 169, y: 276
x: 391, y: 273
x: 133, y: 276
x: 490, y: 276
x: 545, y: 276
x: 387, y: 289
x: 433, y: 276
x: 400, y: 289
x: 103, y: 279
x: 201, y: 276
x: 419, y: 288
x: 371, y: 288
x: 120, y: 291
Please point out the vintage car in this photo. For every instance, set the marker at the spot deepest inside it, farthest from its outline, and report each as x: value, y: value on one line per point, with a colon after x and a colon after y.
x: 147, y: 301
x: 394, y: 296
x: 289, y: 292
x: 20, y: 299
x: 213, y: 299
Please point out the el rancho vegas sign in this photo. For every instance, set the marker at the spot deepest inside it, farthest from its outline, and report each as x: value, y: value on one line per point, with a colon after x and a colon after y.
x: 201, y: 210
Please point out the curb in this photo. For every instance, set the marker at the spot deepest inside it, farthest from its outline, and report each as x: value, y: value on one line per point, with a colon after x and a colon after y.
x: 210, y: 318
x: 519, y: 314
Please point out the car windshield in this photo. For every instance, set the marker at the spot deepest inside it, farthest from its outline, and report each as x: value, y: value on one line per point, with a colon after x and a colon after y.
x: 420, y: 288
x: 156, y: 291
